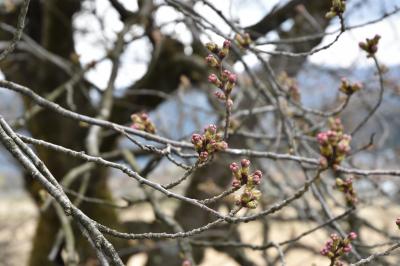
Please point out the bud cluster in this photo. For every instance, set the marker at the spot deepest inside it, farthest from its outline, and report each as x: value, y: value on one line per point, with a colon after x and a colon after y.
x: 142, y: 122
x: 333, y: 144
x: 337, y: 246
x: 370, y: 45
x: 349, y: 88
x: 337, y: 9
x: 243, y: 40
x: 290, y: 85
x: 242, y: 177
x: 186, y: 262
x: 208, y: 143
x: 224, y: 79
x: 346, y: 186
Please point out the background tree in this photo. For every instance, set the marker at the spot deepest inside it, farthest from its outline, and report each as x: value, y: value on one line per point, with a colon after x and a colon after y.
x: 259, y: 113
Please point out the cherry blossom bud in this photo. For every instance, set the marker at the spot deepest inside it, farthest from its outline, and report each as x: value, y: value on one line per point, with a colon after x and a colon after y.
x: 221, y: 146
x: 212, y: 61
x: 257, y: 175
x: 135, y: 126
x: 144, y: 116
x: 232, y: 78
x: 334, y: 237
x: 245, y: 163
x: 322, y: 138
x: 186, y: 263
x: 203, y: 156
x: 142, y: 122
x: 234, y: 167
x: 212, y: 47
x: 370, y: 45
x: 347, y: 248
x: 324, y: 251
x: 213, y: 79
x: 196, y: 138
x: 211, y: 128
x: 229, y: 103
x: 236, y: 183
x: 225, y: 75
x: 352, y: 235
x: 227, y: 44
x: 220, y: 95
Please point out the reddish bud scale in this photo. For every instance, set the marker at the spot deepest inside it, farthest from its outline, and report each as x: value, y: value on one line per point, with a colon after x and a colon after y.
x: 142, y: 122
x: 208, y: 143
x: 336, y: 246
x: 232, y: 78
x: 250, y: 196
x: 227, y: 44
x: 245, y: 163
x: 220, y: 95
x: 212, y: 47
x: 212, y: 61
x: 225, y: 75
x: 370, y: 45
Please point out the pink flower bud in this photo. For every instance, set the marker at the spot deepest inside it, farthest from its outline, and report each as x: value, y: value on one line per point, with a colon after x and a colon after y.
x: 334, y: 237
x: 234, y: 167
x: 329, y: 243
x: 212, y: 78
x: 227, y: 44
x: 220, y: 95
x: 135, y: 126
x: 186, y: 263
x: 256, y: 179
x: 258, y: 173
x: 347, y: 249
x: 346, y: 137
x: 203, y: 155
x: 245, y: 163
x: 332, y: 135
x: 322, y: 138
x: 211, y: 128
x: 324, y: 251
x: 232, y: 78
x: 144, y: 116
x: 221, y: 146
x: 352, y: 235
x: 196, y: 138
x: 343, y: 147
x: 225, y: 75
x: 212, y: 61
x: 236, y: 183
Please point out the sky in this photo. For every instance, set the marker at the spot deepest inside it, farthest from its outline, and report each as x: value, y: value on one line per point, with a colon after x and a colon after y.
x: 90, y: 44
x: 344, y: 53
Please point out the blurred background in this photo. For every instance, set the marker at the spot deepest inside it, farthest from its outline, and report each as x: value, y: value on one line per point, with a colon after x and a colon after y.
x: 187, y: 107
